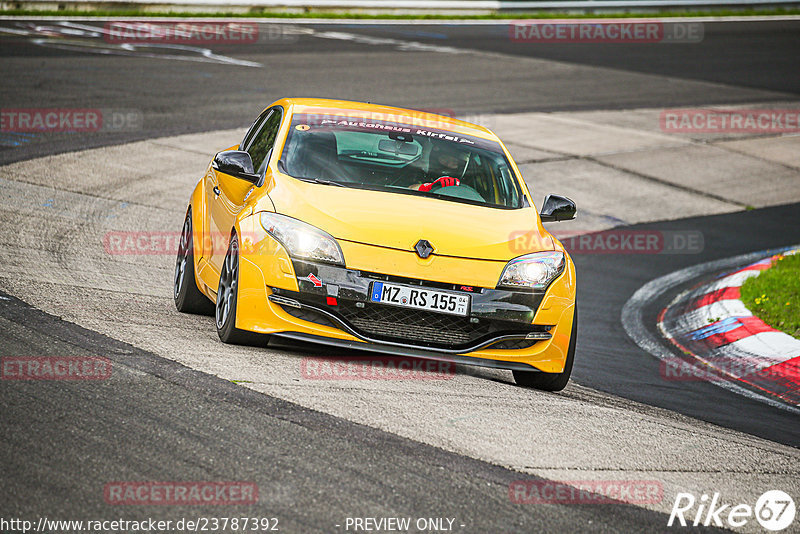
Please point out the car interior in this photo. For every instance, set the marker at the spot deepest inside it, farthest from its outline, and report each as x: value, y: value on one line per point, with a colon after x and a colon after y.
x: 398, y: 161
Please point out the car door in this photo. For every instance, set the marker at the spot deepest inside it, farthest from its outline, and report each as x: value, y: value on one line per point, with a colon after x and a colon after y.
x: 212, y: 187
x: 227, y: 193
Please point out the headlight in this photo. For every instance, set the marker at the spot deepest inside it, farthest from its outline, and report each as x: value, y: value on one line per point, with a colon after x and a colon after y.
x: 534, y: 271
x: 302, y: 240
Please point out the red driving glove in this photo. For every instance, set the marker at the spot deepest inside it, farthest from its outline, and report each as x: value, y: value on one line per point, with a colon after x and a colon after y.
x: 445, y: 181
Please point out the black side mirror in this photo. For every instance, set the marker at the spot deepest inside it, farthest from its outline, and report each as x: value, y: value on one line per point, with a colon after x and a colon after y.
x: 236, y: 163
x: 557, y: 208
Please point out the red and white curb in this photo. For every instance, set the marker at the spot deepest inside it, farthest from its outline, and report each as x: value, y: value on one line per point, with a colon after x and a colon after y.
x: 711, y: 325
x: 639, y: 325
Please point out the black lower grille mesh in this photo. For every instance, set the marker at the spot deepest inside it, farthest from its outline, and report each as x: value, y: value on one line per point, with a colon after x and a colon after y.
x: 420, y: 326
x: 514, y: 344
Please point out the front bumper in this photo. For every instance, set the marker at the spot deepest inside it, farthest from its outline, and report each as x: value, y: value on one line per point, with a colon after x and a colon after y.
x: 331, y: 304
x: 498, y: 318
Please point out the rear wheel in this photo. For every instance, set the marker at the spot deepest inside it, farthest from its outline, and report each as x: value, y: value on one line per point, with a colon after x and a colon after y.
x: 552, y: 381
x: 188, y: 298
x: 227, y: 294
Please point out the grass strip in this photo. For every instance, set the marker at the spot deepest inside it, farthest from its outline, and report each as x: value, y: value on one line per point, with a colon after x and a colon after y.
x: 774, y: 295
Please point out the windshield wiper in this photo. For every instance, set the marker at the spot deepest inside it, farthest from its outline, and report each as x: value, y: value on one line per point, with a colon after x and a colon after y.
x: 320, y: 181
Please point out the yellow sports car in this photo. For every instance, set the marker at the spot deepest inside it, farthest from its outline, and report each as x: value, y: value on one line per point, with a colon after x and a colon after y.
x: 382, y: 229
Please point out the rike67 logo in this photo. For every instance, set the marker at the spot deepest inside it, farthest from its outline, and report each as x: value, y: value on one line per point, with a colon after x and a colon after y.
x: 774, y: 510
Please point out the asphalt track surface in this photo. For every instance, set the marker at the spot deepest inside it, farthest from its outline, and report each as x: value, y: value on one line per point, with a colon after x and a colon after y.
x: 156, y: 419
x: 735, y: 63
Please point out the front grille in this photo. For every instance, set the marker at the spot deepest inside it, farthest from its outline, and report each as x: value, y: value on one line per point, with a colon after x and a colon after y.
x: 420, y: 326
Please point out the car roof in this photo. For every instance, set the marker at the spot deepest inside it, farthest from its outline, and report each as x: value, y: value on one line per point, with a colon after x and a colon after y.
x: 388, y: 113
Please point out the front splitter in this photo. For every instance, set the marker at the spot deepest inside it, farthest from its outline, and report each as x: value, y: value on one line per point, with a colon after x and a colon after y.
x: 408, y: 352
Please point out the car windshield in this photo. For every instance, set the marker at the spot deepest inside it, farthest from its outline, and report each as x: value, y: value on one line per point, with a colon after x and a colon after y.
x: 399, y: 158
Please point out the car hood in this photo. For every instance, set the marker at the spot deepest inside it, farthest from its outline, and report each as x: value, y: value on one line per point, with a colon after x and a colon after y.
x: 399, y: 221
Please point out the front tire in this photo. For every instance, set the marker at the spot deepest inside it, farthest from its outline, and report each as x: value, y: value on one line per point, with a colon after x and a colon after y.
x: 188, y: 298
x: 227, y: 296
x: 552, y: 381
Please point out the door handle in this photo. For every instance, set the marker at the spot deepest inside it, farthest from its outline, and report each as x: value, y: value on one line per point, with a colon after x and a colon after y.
x: 216, y: 191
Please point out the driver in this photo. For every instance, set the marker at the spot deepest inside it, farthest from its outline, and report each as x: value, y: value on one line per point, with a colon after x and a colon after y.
x: 445, y: 168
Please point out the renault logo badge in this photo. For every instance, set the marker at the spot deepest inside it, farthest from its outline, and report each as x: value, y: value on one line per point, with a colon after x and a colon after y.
x: 423, y: 248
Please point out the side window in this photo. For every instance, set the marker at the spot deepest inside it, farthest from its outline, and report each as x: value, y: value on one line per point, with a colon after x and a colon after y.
x: 261, y: 144
x: 248, y: 138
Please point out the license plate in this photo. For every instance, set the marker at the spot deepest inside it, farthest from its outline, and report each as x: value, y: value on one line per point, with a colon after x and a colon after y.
x: 420, y: 298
